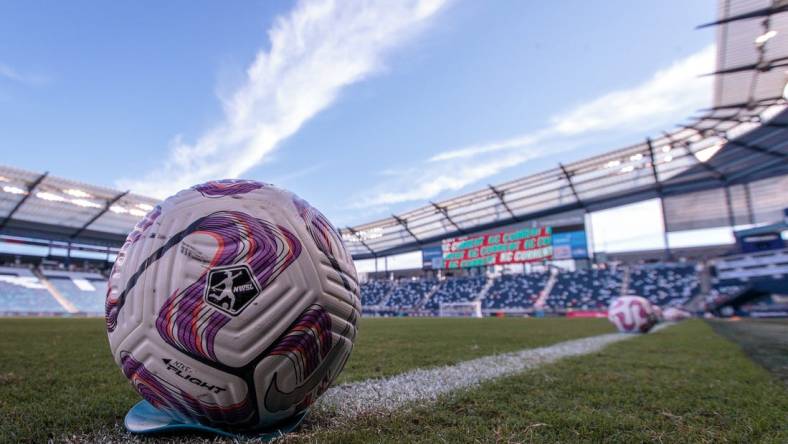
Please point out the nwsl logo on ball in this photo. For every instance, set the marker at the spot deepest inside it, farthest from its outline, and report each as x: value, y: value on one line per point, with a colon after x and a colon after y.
x: 231, y: 289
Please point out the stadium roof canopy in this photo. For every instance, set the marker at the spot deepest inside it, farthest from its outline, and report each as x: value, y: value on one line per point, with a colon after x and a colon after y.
x: 741, y: 139
x: 38, y: 205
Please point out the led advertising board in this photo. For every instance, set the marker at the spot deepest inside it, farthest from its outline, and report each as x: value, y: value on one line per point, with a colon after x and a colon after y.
x: 524, y: 245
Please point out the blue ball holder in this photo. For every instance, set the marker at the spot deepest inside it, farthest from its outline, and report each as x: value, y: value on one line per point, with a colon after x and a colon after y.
x: 145, y: 419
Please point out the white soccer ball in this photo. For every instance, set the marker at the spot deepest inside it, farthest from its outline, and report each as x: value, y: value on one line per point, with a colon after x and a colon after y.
x: 676, y: 314
x: 233, y: 303
x: 632, y: 314
x: 658, y: 312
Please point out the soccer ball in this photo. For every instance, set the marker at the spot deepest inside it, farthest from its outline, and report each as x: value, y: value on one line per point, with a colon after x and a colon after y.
x: 676, y: 314
x: 632, y: 314
x: 658, y: 312
x: 234, y: 304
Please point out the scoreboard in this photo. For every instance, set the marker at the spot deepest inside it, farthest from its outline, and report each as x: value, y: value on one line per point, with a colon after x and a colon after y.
x: 524, y: 245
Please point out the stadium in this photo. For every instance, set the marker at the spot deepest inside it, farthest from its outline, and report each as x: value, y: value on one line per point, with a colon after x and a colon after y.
x: 484, y: 315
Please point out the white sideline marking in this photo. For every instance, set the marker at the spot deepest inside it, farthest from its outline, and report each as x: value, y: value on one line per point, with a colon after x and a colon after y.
x: 426, y: 385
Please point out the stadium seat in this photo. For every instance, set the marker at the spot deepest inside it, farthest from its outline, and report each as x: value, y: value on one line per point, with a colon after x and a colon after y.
x: 22, y: 292
x: 665, y: 284
x: 456, y: 289
x: 85, y: 291
x: 515, y: 291
x: 585, y: 289
x: 373, y: 292
x: 408, y: 294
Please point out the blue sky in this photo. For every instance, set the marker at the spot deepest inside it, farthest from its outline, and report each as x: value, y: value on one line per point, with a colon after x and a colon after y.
x: 363, y: 108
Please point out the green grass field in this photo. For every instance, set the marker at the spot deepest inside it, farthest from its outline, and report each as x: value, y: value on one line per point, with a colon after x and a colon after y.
x: 685, y: 383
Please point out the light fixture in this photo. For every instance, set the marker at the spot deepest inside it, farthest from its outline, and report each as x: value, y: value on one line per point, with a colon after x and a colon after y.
x: 628, y: 169
x: 117, y: 209
x: 668, y: 158
x: 350, y: 238
x: 613, y: 164
x: 77, y: 193
x: 144, y: 206
x: 635, y: 157
x: 765, y: 37
x: 363, y: 235
x: 50, y: 196
x: 13, y: 190
x: 85, y: 203
x: 666, y: 149
x: 136, y: 212
x: 707, y: 153
x: 785, y: 88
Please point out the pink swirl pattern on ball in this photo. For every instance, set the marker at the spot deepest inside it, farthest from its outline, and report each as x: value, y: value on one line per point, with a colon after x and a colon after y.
x: 306, y: 342
x: 228, y: 187
x: 632, y: 315
x: 326, y: 237
x: 112, y: 304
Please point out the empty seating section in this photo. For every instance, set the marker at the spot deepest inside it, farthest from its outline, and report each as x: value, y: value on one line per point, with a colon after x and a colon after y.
x: 86, y: 293
x: 585, y: 289
x: 665, y: 285
x: 461, y: 289
x: 409, y: 294
x: 373, y: 292
x: 22, y: 292
x: 515, y: 291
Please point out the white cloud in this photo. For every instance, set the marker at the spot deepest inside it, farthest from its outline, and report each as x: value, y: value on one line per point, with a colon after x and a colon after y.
x: 665, y: 98
x: 454, y: 174
x: 473, y: 150
x: 670, y: 91
x: 9, y: 73
x: 297, y: 174
x: 316, y: 50
x: 28, y: 79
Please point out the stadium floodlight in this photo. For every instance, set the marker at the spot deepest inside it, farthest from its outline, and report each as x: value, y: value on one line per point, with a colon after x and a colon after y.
x: 85, y: 203
x: 237, y: 314
x: 363, y: 235
x: 765, y: 37
x: 74, y: 192
x: 117, y: 209
x: 705, y: 154
x: 45, y: 195
x: 13, y: 190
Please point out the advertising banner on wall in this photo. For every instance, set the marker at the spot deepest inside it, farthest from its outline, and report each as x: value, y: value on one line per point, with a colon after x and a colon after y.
x: 432, y: 258
x: 524, y: 245
x: 570, y: 245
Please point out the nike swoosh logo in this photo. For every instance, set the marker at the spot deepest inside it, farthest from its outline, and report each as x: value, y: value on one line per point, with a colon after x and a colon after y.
x: 276, y: 400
